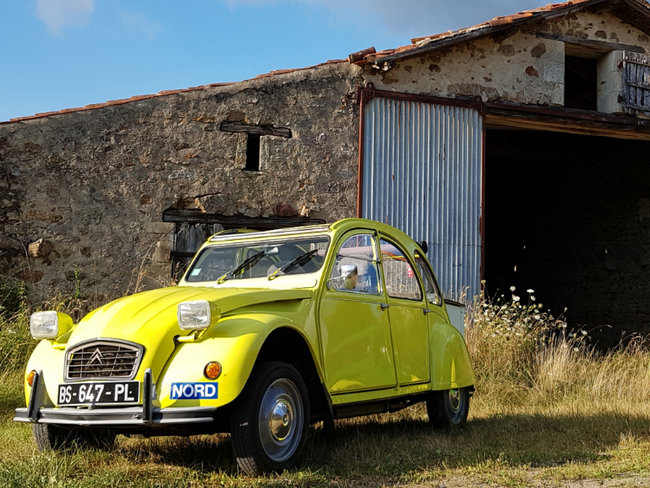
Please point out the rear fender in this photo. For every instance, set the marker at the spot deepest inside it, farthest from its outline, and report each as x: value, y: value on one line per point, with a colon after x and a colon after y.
x: 450, y: 363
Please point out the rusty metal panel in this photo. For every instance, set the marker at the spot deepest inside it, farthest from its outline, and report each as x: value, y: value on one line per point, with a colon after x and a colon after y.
x: 422, y: 173
x: 636, y: 81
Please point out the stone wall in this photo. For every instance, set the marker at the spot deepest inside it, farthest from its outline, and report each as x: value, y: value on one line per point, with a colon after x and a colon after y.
x: 83, y: 193
x: 521, y: 67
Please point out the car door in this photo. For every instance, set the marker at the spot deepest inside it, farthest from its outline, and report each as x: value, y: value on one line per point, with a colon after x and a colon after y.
x: 407, y: 312
x: 437, y: 321
x: 354, y: 327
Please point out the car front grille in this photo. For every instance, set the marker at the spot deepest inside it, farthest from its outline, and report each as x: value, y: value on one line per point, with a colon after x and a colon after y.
x: 103, y: 359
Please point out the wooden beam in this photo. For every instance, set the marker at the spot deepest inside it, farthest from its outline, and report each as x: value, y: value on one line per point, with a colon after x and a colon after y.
x: 508, y: 115
x: 262, y: 130
x: 593, y: 47
x: 235, y: 221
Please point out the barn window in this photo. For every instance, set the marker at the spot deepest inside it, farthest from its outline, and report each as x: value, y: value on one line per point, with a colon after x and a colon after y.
x: 580, y: 78
x: 252, y: 152
x: 254, y: 135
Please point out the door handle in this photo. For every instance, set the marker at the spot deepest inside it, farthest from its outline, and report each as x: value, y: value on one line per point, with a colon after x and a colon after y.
x: 384, y: 306
x: 426, y: 311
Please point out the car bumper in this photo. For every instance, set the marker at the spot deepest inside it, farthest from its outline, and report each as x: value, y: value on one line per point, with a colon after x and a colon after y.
x: 140, y: 415
x: 116, y: 417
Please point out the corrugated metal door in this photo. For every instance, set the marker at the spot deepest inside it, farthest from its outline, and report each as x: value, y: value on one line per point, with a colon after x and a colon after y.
x: 422, y: 173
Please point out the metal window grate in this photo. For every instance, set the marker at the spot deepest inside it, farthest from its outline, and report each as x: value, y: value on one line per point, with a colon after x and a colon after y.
x: 103, y: 359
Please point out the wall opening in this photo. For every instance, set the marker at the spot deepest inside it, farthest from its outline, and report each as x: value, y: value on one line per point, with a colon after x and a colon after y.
x: 252, y: 152
x: 580, y: 82
x: 568, y: 216
x: 254, y: 135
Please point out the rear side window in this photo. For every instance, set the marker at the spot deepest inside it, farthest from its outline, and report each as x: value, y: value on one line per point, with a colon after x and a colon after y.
x: 431, y: 289
x: 401, y: 279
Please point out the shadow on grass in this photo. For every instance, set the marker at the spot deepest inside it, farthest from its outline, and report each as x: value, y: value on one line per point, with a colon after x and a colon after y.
x: 397, y: 447
x: 199, y: 453
x: 390, y: 446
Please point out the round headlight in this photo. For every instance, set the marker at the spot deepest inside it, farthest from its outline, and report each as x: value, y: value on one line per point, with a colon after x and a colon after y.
x: 197, y: 314
x: 44, y: 325
x: 49, y: 325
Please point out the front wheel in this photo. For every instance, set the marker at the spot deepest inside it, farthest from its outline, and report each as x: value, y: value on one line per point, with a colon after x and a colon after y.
x: 269, y: 421
x: 448, y: 408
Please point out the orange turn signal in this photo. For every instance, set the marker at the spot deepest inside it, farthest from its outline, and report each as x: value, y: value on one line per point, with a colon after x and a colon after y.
x: 30, y: 377
x: 212, y: 370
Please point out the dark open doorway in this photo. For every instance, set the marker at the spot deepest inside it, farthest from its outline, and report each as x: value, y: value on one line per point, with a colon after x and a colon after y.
x: 568, y: 216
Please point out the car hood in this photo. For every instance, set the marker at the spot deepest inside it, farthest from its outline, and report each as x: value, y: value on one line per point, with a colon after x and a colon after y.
x: 149, y: 318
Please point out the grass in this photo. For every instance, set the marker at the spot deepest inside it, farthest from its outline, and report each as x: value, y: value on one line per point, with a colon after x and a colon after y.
x: 549, y: 411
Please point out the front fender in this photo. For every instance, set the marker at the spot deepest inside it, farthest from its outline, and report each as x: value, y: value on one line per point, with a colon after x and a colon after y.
x: 49, y: 360
x: 235, y: 343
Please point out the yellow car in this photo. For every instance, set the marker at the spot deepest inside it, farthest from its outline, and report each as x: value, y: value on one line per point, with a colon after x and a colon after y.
x: 266, y: 333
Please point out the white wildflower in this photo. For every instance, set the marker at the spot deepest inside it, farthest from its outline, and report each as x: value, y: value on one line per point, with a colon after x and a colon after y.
x: 530, y: 290
x: 515, y: 298
x: 512, y: 288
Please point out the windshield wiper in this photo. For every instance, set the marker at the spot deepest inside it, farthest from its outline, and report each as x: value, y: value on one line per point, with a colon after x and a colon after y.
x: 299, y: 260
x: 247, y: 263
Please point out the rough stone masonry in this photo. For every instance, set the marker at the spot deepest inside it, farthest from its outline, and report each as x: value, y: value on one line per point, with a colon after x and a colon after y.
x: 83, y: 193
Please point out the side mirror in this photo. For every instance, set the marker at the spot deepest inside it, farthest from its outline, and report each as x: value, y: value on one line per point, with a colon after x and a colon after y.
x: 424, y: 245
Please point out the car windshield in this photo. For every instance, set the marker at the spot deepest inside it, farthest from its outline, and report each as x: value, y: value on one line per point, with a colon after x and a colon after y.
x: 268, y: 258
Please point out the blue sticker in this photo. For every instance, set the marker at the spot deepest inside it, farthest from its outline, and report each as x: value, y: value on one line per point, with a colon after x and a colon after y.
x: 194, y: 391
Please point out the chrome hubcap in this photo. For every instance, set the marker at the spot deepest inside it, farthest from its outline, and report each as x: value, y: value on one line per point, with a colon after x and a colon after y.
x: 454, y: 400
x: 281, y: 420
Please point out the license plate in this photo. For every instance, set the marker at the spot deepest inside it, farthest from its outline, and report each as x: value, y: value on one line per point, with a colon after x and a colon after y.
x: 108, y: 393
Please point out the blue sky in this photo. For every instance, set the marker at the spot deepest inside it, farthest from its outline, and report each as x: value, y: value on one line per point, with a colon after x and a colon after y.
x: 59, y: 54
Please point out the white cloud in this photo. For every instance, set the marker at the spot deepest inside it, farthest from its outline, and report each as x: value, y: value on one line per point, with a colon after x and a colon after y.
x: 139, y: 22
x: 59, y: 13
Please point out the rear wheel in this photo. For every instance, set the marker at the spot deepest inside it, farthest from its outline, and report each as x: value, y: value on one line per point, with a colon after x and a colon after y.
x: 52, y: 437
x: 269, y: 421
x: 448, y: 408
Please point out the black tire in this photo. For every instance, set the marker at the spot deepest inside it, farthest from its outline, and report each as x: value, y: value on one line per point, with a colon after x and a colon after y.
x: 50, y: 437
x: 448, y: 408
x: 269, y: 420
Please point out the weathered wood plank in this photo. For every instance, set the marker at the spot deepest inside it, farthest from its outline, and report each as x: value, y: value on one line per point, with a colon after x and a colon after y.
x: 236, y: 221
x: 262, y: 130
x: 596, y: 46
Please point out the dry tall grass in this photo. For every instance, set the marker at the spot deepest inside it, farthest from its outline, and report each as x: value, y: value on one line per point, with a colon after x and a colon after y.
x: 526, y: 358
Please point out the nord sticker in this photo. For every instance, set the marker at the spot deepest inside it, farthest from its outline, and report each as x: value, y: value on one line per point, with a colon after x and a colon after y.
x: 194, y: 391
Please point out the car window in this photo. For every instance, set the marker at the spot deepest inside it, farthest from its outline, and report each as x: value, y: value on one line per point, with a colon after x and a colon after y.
x: 431, y: 289
x: 355, y: 268
x: 259, y: 258
x: 401, y: 280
